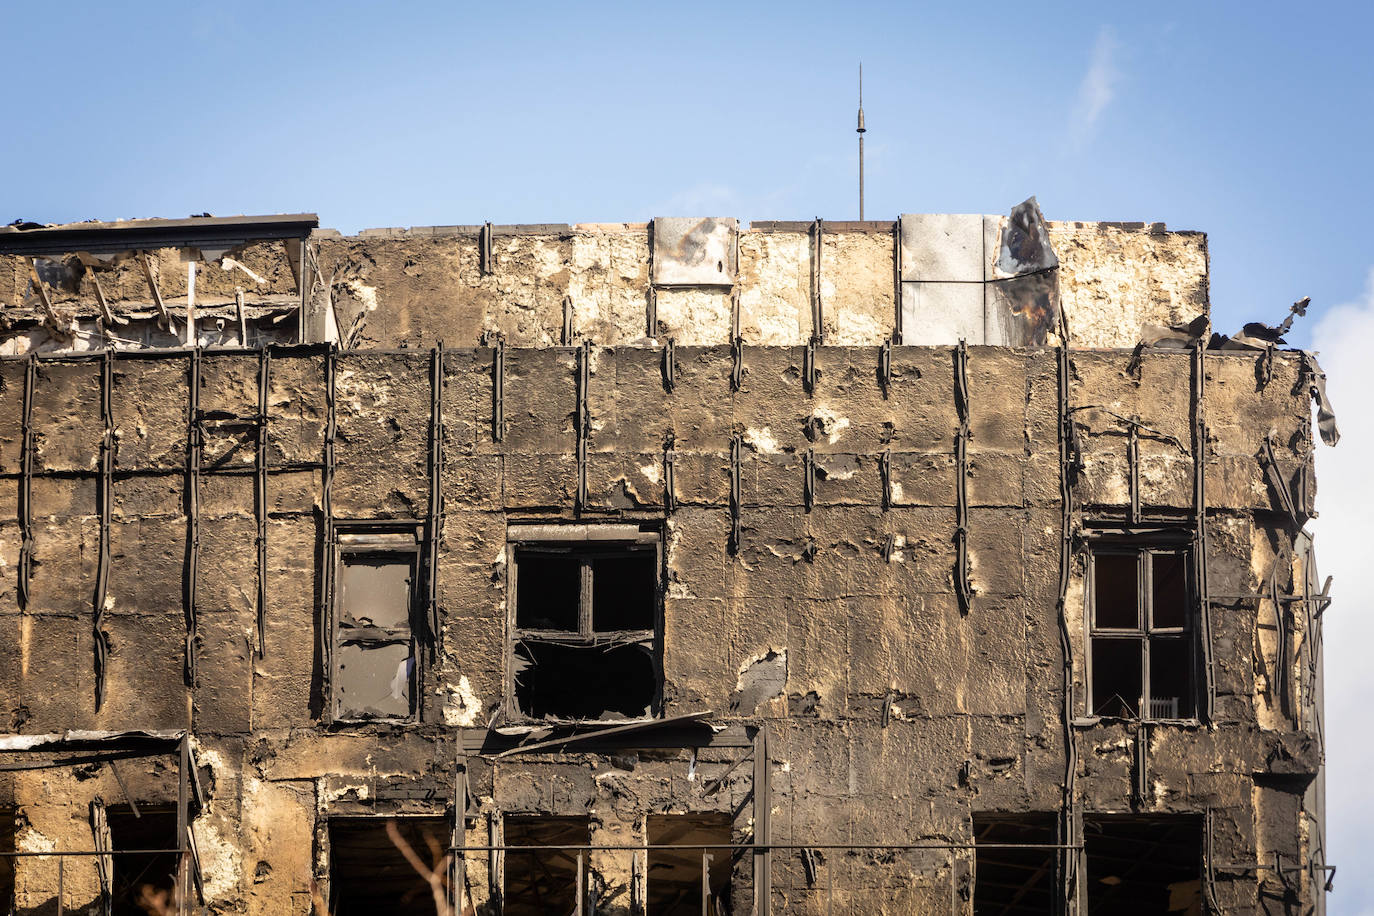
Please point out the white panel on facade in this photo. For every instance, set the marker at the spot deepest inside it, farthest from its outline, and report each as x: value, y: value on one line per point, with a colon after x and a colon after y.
x: 942, y: 314
x: 942, y: 247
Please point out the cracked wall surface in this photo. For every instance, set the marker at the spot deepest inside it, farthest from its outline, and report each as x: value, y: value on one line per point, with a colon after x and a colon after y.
x: 810, y: 565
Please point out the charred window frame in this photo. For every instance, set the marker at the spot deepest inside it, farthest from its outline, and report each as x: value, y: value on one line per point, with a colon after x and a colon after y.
x: 585, y: 622
x: 1142, y: 629
x: 376, y: 628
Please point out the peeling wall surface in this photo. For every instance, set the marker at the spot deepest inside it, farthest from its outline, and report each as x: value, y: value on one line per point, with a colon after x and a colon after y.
x: 838, y: 602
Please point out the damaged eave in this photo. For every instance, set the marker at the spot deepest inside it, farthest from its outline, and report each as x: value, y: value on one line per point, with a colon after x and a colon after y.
x: 143, y: 234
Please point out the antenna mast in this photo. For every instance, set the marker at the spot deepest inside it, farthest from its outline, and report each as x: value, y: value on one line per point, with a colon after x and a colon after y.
x: 860, y: 130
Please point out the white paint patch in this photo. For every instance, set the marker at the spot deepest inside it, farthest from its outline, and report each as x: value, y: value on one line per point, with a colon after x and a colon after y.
x: 221, y: 861
x: 31, y: 840
x: 761, y: 441
x: 462, y: 706
x: 896, y: 492
x: 831, y: 424
x: 650, y: 471
x: 365, y: 294
x: 231, y: 264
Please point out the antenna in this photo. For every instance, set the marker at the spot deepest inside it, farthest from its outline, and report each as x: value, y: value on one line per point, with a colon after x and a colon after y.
x: 860, y: 130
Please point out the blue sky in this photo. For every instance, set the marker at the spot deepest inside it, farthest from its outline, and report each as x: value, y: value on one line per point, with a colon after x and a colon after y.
x: 1249, y: 121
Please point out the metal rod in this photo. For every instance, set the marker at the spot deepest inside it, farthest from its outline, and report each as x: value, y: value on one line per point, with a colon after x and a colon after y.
x: 183, y: 771
x: 436, y: 494
x: 326, y: 611
x: 104, y: 495
x: 817, y: 317
x: 860, y: 130
x: 736, y: 496
x: 26, y: 485
x: 762, y: 846
x: 260, y: 494
x: 1200, y: 523
x: 193, y: 456
x: 498, y: 390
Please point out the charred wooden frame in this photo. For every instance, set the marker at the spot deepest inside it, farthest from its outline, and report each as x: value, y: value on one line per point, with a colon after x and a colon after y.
x: 579, y: 553
x: 383, y: 544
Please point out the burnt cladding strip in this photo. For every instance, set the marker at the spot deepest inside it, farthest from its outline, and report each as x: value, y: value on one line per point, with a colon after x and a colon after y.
x: 104, y: 495
x: 193, y: 456
x: 260, y: 496
x: 961, y: 400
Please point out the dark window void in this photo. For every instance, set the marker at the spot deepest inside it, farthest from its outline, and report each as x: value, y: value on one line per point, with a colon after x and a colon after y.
x: 542, y: 882
x: 142, y: 879
x: 1171, y: 677
x: 1169, y: 590
x: 1014, y: 869
x: 550, y: 595
x: 586, y: 628
x: 1140, y: 866
x: 1116, y: 677
x: 675, y: 875
x: 6, y: 862
x: 1142, y: 654
x: 585, y: 682
x: 368, y: 872
x: 1116, y: 596
x: 625, y: 592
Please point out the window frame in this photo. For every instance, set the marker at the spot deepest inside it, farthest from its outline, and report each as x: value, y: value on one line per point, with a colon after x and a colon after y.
x: 389, y: 540
x: 1144, y: 548
x: 587, y: 542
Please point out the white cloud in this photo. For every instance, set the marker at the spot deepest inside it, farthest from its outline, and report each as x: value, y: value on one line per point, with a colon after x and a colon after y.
x: 1346, y: 503
x: 1097, y: 89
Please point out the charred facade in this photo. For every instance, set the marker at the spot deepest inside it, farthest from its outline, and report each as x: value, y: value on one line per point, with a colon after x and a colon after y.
x: 944, y: 565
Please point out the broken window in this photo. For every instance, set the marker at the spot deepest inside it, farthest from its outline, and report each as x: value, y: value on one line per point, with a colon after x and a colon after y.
x: 1143, y: 865
x: 585, y: 621
x: 1014, y: 865
x: 1141, y: 663
x: 542, y: 881
x: 143, y: 877
x: 368, y: 870
x: 375, y: 659
x: 679, y: 878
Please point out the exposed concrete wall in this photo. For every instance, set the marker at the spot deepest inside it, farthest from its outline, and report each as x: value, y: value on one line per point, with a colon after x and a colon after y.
x: 392, y: 288
x: 836, y: 627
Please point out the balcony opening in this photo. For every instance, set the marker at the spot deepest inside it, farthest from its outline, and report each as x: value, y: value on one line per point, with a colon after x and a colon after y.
x: 1014, y: 870
x: 368, y: 872
x: 542, y: 881
x: 1139, y: 866
x: 140, y: 880
x: 676, y: 885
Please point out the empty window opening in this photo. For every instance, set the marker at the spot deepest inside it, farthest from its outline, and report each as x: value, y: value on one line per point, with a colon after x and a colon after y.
x: 585, y: 626
x: 542, y: 881
x: 1010, y: 880
x: 580, y: 682
x: 675, y: 876
x: 1142, y: 641
x: 368, y: 871
x: 141, y: 878
x: 1139, y: 866
x: 375, y: 658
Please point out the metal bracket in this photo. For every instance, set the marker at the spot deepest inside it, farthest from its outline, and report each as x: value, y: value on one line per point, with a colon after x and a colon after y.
x: 164, y: 316
x: 498, y: 390
x: 736, y: 495
x: 584, y: 373
x: 809, y: 369
x: 885, y: 367
x: 962, y: 585
x: 885, y: 472
x: 486, y: 254
x: 669, y: 365
x: 669, y: 476
x: 566, y: 339
x: 809, y: 479
x: 817, y: 317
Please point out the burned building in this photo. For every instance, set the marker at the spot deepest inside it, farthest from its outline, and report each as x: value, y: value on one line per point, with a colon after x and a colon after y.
x: 939, y: 565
